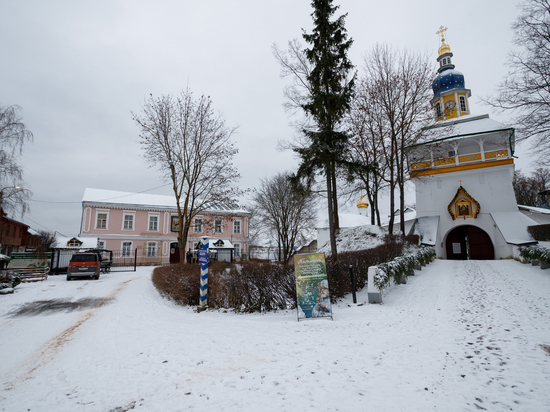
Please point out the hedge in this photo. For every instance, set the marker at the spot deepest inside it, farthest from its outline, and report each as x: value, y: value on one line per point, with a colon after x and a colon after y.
x: 266, y: 286
x: 531, y: 253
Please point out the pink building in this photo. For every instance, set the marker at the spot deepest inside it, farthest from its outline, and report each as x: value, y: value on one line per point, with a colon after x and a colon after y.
x: 125, y: 222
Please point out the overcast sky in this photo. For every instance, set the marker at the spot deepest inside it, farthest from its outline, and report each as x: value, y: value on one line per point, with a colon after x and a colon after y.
x: 78, y: 68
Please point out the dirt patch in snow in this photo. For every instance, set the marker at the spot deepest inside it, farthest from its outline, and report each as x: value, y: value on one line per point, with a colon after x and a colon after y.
x: 57, y: 305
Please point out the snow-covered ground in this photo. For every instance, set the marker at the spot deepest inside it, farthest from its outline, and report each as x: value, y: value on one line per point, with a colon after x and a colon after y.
x: 356, y: 238
x: 460, y: 336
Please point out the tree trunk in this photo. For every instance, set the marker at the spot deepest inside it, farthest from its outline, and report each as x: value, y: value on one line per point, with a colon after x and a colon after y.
x: 332, y: 229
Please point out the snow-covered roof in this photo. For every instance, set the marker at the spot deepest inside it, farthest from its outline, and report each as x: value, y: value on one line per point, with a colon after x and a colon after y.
x: 513, y: 226
x: 346, y: 220
x: 464, y: 126
x: 535, y: 209
x: 426, y: 228
x: 87, y: 242
x: 410, y: 214
x: 102, y: 196
x: 226, y: 244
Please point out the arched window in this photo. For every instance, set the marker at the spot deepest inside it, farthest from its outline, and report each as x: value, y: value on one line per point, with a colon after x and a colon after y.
x: 438, y: 113
x: 463, y: 104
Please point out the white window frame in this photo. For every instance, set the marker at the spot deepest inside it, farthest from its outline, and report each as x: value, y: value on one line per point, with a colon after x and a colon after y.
x: 240, y: 225
x: 101, y: 244
x: 157, y: 216
x: 462, y: 103
x: 216, y: 220
x: 197, y: 227
x: 237, y: 247
x: 151, y: 249
x: 133, y: 216
x: 438, y: 112
x: 123, y: 250
x: 102, y: 212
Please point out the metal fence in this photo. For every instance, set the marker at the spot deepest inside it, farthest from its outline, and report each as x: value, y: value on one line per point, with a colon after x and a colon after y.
x: 116, y: 260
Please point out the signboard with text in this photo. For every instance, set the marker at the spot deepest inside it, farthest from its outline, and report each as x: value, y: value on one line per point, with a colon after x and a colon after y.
x: 312, y: 289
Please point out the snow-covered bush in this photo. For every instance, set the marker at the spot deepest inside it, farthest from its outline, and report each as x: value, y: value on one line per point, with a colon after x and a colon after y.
x: 360, y: 261
x: 401, y: 266
x: 9, y: 280
x: 530, y: 253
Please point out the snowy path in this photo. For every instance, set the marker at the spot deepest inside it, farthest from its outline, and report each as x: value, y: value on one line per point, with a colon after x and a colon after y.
x: 460, y: 336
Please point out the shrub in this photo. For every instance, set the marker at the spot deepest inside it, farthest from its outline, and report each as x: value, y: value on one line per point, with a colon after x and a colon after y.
x: 9, y: 280
x: 265, y: 286
x: 248, y: 287
x: 338, y: 272
x: 401, y: 266
x: 539, y: 253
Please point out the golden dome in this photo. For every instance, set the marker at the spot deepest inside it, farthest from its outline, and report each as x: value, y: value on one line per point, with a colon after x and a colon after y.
x: 362, y: 202
x: 445, y: 48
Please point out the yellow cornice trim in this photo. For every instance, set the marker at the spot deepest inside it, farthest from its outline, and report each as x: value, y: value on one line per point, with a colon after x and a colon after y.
x: 461, y: 168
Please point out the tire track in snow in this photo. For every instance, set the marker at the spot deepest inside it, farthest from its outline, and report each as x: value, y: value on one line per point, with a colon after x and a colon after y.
x: 54, y: 346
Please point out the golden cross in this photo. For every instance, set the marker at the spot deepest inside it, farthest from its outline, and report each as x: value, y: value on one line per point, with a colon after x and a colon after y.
x: 442, y: 31
x: 460, y: 181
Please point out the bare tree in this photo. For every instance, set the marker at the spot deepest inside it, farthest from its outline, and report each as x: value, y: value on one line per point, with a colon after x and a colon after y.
x: 396, y: 91
x: 47, y: 240
x: 526, y: 88
x: 13, y: 135
x: 192, y: 147
x: 366, y: 126
x: 527, y: 189
x: 284, y: 212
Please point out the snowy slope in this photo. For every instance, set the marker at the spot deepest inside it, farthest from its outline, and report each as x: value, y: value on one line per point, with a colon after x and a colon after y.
x: 356, y: 238
x: 460, y: 336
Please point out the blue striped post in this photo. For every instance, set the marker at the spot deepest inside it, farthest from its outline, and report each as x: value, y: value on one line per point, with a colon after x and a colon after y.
x: 203, y: 260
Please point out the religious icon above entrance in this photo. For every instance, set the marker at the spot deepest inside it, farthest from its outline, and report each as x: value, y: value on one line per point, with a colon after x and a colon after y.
x: 463, y: 205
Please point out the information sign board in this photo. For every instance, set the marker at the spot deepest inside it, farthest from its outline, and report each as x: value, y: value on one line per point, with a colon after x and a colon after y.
x: 312, y: 286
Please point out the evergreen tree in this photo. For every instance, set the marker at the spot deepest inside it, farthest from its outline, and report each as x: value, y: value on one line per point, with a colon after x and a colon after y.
x: 331, y: 90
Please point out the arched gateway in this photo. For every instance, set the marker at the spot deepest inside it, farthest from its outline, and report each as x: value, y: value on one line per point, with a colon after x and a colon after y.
x: 471, y: 242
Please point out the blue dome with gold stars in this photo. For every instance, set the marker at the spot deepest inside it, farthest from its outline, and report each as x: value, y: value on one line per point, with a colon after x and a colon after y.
x: 446, y: 80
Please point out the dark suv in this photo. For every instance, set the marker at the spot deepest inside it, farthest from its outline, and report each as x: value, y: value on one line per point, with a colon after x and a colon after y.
x: 84, y: 265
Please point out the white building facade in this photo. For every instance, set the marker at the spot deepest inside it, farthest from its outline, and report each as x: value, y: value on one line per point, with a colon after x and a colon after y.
x: 465, y: 200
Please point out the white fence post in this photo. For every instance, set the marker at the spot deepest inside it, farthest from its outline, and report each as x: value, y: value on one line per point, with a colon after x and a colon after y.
x: 375, y: 294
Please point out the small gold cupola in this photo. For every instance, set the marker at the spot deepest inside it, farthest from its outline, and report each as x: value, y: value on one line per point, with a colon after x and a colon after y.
x: 362, y: 206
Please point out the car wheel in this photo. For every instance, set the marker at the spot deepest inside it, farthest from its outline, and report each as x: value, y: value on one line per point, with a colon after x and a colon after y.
x: 68, y: 277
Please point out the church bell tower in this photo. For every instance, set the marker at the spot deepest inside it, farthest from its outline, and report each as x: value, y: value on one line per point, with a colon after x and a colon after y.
x: 450, y: 99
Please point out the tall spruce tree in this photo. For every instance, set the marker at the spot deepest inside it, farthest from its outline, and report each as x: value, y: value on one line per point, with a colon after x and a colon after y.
x: 331, y: 92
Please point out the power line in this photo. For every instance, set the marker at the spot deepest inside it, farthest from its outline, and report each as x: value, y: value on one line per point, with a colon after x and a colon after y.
x: 101, y: 200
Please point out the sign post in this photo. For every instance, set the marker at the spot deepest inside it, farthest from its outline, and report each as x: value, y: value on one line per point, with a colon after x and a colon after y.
x: 312, y: 286
x: 203, y: 260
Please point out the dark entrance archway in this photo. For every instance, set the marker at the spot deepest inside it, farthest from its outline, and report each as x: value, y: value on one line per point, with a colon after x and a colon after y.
x: 472, y: 240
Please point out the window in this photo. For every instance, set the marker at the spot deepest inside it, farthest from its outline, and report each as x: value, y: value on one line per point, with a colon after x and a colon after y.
x: 237, y: 249
x: 197, y: 227
x: 151, y: 249
x: 128, y: 222
x: 101, y: 220
x: 126, y: 249
x: 462, y: 100
x: 218, y: 226
x: 438, y: 114
x: 236, y: 226
x: 101, y: 244
x: 153, y: 223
